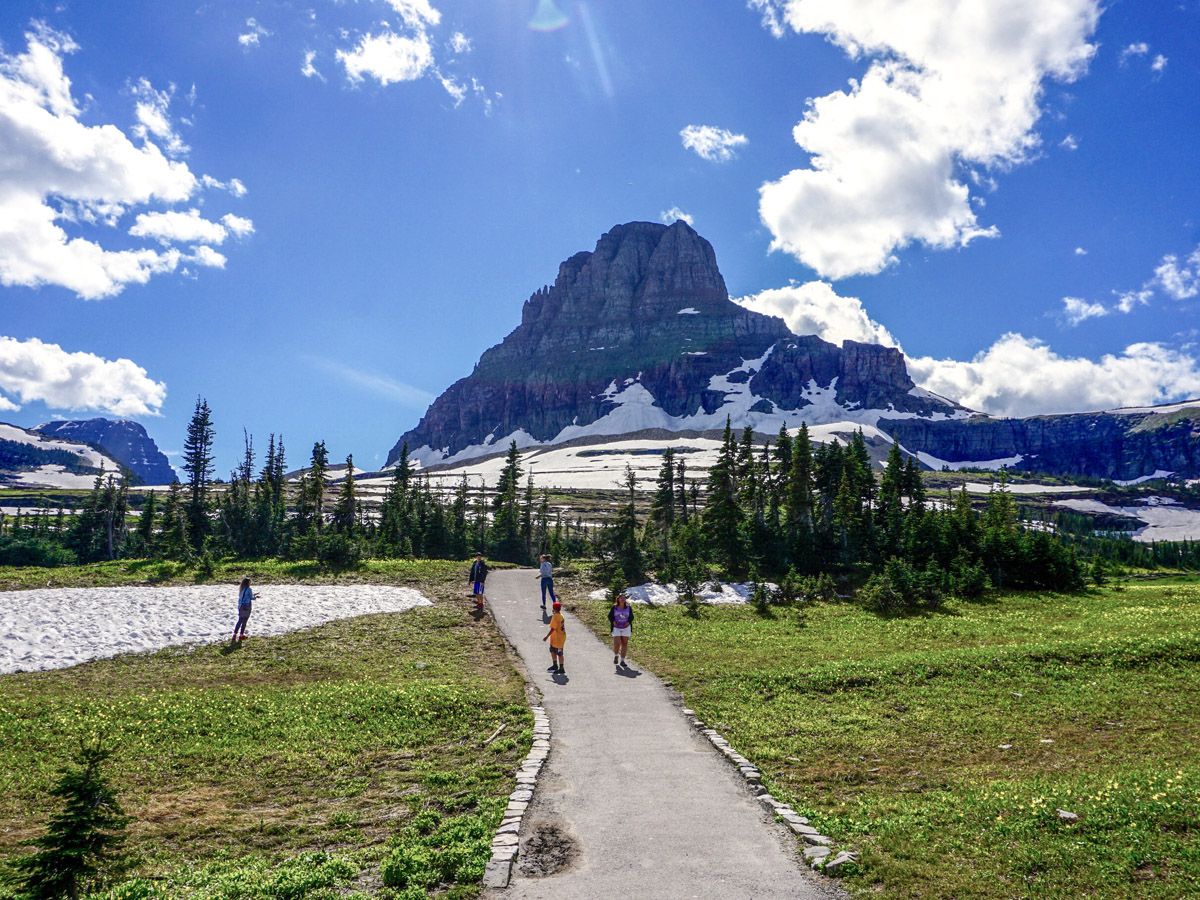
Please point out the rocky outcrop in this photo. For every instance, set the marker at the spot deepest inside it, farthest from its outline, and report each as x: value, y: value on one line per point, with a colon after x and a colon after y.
x: 125, y: 441
x: 641, y: 333
x: 1119, y: 445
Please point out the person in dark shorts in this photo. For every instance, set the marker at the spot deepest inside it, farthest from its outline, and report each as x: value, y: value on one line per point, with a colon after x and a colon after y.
x: 477, y: 578
x: 246, y: 599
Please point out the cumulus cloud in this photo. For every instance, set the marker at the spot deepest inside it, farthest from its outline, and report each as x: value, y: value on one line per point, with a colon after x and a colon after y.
x: 238, y: 226
x: 1015, y: 376
x: 712, y: 143
x: 1022, y: 376
x: 1179, y: 280
x: 58, y: 171
x: 178, y: 227
x: 1141, y: 48
x: 152, y: 110
x: 460, y: 43
x: 1076, y: 310
x: 891, y: 156
x: 1070, y: 142
x: 1080, y: 251
x: 815, y: 308
x: 1159, y: 63
x: 308, y: 70
x: 1128, y: 301
x: 388, y: 57
x: 33, y: 371
x: 667, y: 216
x: 253, y: 35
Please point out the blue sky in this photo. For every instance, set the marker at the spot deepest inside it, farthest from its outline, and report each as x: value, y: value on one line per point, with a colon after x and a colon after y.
x: 345, y: 243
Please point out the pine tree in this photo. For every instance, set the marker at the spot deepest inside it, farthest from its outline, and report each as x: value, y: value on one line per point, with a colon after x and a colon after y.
x: 199, y: 466
x: 345, y: 511
x: 623, y: 535
x: 174, y: 542
x: 723, y: 516
x: 146, y: 525
x: 507, y: 542
x: 83, y: 839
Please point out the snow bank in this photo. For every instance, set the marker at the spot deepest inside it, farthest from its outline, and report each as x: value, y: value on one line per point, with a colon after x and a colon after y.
x: 1161, y: 518
x: 56, y: 627
x: 665, y: 594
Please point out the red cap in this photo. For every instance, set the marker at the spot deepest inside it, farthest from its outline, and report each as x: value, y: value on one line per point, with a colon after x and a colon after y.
x: 557, y: 605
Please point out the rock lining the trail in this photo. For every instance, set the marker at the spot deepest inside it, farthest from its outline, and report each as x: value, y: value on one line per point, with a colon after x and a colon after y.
x: 506, y: 843
x: 818, y: 852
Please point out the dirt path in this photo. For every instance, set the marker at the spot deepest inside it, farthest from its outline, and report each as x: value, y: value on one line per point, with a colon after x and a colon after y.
x: 632, y: 803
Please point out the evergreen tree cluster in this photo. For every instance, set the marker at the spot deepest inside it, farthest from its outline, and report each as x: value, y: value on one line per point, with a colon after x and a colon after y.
x: 793, y: 509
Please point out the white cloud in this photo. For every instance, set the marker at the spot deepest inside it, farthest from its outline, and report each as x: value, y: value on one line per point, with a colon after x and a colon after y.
x: 308, y: 70
x: 1128, y: 301
x: 1160, y: 63
x: 667, y: 216
x: 207, y: 256
x: 1141, y: 48
x: 374, y: 383
x: 388, y: 57
x: 1180, y: 281
x: 460, y: 43
x: 172, y: 227
x: 1070, y: 142
x: 1080, y: 251
x: 416, y: 13
x: 57, y: 171
x: 952, y: 86
x: 233, y: 185
x: 154, y: 118
x: 815, y: 308
x: 712, y: 143
x: 237, y: 225
x: 33, y: 371
x: 1076, y: 310
x: 1021, y: 376
x: 1015, y: 376
x: 253, y: 37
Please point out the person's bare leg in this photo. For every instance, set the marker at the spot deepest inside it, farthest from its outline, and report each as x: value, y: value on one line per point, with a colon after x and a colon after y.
x: 624, y: 647
x: 616, y: 649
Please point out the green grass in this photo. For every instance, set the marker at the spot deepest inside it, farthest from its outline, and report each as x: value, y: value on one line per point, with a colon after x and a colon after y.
x: 269, y: 571
x: 941, y: 746
x: 307, y: 765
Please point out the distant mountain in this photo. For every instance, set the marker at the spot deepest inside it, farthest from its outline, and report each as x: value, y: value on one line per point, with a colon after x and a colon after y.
x: 1129, y: 444
x: 29, y: 459
x: 125, y: 441
x: 640, y: 334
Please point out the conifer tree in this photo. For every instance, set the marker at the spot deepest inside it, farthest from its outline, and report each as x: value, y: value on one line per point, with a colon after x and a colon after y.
x: 199, y: 466
x: 83, y: 839
x: 723, y: 515
x: 507, y: 542
x: 345, y: 511
x: 146, y: 525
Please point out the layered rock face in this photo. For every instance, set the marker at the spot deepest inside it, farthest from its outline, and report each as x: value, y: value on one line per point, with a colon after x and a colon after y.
x: 126, y: 442
x: 1118, y: 445
x: 641, y: 333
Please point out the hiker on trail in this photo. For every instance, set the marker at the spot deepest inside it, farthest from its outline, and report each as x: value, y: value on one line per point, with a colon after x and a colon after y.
x: 479, y: 572
x: 546, y: 574
x: 557, y: 635
x: 620, y: 617
x: 246, y: 599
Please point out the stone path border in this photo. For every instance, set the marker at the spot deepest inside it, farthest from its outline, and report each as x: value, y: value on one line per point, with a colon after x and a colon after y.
x: 506, y: 842
x: 819, y: 854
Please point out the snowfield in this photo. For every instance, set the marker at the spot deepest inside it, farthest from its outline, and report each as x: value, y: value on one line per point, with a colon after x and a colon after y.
x: 1161, y: 518
x: 56, y: 627
x: 651, y: 594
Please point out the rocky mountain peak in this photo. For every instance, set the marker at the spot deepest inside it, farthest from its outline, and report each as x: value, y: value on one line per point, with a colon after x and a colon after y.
x: 640, y: 333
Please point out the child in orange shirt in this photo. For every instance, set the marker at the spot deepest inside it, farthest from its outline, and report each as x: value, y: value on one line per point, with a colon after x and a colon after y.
x: 557, y: 635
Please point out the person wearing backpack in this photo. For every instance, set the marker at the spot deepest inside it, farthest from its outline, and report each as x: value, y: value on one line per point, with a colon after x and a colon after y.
x: 620, y: 617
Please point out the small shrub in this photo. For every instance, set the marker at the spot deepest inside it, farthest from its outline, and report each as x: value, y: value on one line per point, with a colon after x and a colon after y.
x: 29, y: 551
x: 82, y: 843
x: 900, y: 588
x: 338, y: 552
